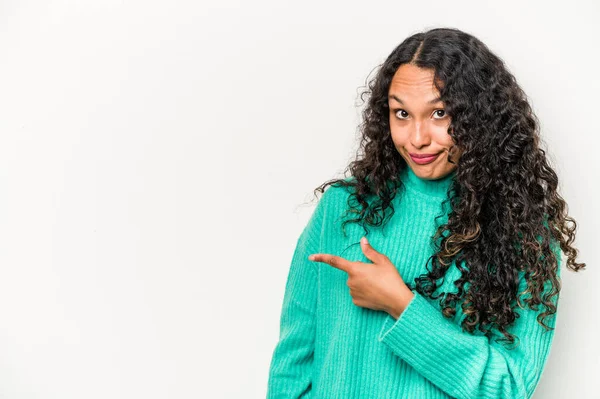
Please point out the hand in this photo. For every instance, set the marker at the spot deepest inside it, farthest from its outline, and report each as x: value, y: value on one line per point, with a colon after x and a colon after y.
x: 376, y: 285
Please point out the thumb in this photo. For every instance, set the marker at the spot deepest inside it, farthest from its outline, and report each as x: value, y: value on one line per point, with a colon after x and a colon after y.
x: 369, y: 251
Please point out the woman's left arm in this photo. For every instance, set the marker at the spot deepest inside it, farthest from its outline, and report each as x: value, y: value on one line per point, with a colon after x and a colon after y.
x: 465, y: 365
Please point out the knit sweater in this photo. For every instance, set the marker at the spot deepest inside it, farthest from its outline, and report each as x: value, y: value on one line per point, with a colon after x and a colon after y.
x: 331, y: 348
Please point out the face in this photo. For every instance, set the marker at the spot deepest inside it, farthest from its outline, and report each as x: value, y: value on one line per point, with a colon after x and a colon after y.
x: 419, y: 124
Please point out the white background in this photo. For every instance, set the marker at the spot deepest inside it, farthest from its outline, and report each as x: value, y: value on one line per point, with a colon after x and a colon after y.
x: 157, y: 162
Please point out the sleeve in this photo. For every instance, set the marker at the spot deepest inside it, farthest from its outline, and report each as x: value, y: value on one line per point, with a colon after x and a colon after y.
x: 290, y: 374
x: 465, y: 365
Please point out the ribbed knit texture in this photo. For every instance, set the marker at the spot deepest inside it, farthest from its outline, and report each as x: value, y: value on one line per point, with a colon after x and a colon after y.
x: 331, y: 348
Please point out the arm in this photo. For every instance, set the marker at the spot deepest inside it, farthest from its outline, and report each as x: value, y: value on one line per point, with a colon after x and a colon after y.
x: 290, y: 374
x: 464, y: 365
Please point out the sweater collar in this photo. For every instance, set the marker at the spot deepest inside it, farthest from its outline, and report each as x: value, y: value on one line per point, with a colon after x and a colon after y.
x: 434, y: 188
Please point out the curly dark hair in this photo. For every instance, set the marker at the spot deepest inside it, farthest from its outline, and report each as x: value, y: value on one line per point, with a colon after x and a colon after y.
x: 506, y: 216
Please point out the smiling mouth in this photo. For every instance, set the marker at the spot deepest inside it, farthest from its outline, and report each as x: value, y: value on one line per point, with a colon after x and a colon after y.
x: 423, y: 155
x: 423, y: 159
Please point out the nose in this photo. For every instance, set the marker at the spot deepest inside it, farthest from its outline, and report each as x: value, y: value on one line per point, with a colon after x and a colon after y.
x: 420, y: 136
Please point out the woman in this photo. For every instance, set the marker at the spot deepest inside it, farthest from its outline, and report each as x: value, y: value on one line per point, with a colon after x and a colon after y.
x: 432, y: 271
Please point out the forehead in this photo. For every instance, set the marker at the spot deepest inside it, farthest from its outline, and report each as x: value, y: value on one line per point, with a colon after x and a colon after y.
x: 410, y: 80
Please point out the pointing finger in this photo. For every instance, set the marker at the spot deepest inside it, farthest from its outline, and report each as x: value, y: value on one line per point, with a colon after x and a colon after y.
x: 335, y: 261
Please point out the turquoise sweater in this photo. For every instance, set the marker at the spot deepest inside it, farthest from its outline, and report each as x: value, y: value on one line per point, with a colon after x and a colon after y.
x: 331, y: 348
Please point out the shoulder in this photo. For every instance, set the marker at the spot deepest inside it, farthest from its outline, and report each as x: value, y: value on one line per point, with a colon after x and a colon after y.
x: 335, y: 198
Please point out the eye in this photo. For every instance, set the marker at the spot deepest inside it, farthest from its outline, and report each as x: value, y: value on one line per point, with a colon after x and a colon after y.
x: 399, y: 112
x: 436, y: 112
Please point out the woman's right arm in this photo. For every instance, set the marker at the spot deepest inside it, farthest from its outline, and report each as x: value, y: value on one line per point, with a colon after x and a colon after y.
x: 290, y: 374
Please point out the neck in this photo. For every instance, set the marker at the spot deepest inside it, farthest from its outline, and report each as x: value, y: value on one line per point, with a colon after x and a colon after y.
x: 433, y: 188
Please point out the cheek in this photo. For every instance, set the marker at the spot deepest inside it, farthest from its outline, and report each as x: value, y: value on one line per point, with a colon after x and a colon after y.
x: 400, y: 141
x: 441, y: 136
x: 399, y: 134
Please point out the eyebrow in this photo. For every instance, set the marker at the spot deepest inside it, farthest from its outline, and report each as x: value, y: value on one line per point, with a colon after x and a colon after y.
x: 433, y: 101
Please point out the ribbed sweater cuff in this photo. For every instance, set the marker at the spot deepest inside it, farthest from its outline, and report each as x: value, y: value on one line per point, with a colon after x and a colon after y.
x: 432, y: 344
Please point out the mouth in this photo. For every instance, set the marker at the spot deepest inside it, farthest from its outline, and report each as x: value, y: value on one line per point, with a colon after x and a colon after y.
x: 423, y: 159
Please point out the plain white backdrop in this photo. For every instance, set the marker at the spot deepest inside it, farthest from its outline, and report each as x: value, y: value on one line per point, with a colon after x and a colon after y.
x: 157, y: 162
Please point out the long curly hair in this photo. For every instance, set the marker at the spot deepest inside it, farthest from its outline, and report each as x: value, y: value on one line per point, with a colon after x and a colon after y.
x: 507, y: 220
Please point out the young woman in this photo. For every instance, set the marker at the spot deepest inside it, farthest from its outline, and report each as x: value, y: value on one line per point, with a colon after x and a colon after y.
x: 433, y: 270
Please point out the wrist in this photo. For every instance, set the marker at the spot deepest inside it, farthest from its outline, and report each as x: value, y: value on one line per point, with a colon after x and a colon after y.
x: 401, y: 304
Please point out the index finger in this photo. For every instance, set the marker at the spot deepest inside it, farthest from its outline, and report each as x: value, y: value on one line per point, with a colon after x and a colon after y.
x: 335, y: 261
